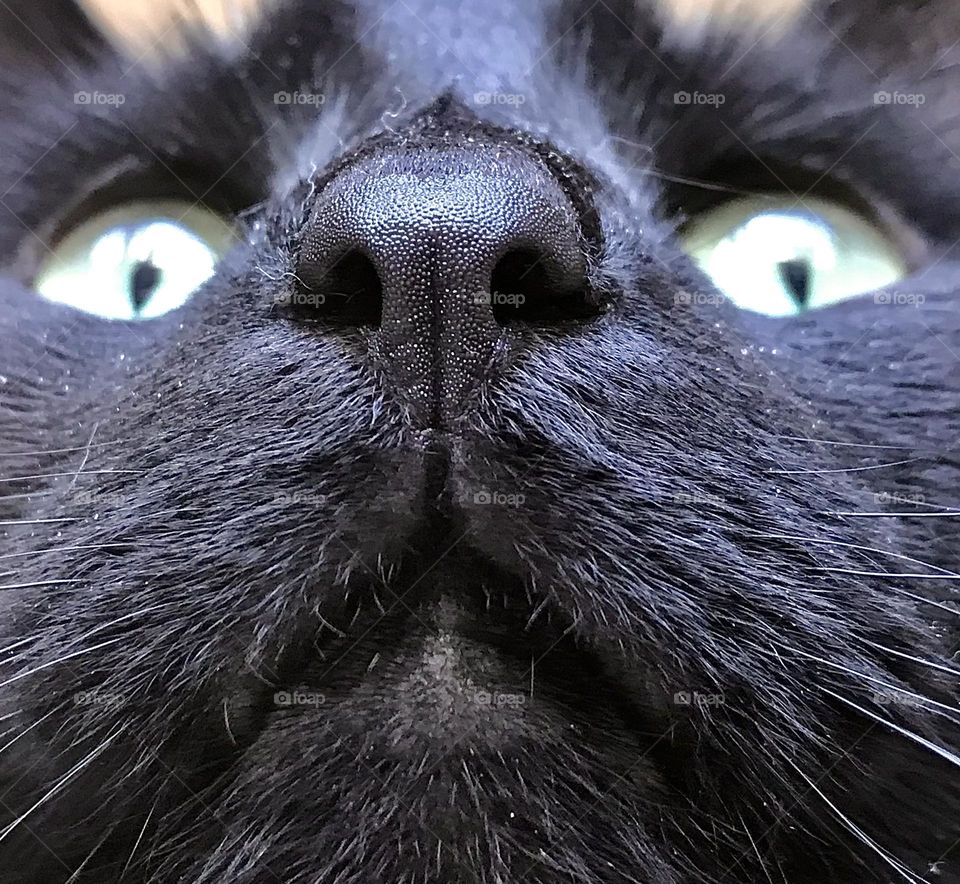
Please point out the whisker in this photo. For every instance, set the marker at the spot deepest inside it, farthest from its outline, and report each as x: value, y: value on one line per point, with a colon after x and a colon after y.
x: 58, y: 450
x: 877, y: 466
x: 75, y: 877
x: 36, y: 583
x: 16, y: 644
x: 26, y: 730
x: 88, y: 759
x: 896, y: 864
x: 86, y: 454
x: 946, y: 754
x: 698, y: 182
x: 136, y: 843
x: 938, y: 515
x: 130, y: 615
x: 62, y: 659
x: 925, y: 601
x: 38, y: 552
x: 890, y: 687
x: 756, y: 850
x: 73, y: 474
x: 828, y: 542
x: 937, y: 666
x: 854, y: 572
x: 851, y: 444
x: 36, y: 521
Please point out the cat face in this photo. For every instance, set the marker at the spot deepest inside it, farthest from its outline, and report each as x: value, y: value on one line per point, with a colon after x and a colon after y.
x: 460, y: 526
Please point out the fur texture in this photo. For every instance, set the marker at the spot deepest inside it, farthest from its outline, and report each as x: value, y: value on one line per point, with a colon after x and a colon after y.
x: 259, y: 625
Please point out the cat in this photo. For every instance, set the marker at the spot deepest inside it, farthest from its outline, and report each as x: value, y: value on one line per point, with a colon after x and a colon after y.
x: 460, y: 527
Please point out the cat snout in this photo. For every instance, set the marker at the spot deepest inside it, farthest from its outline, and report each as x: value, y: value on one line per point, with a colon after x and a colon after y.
x: 438, y: 248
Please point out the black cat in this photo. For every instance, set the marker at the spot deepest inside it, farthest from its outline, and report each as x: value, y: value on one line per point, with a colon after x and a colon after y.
x: 460, y: 526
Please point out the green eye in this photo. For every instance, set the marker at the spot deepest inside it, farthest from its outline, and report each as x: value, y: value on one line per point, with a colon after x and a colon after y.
x: 778, y: 256
x: 136, y: 261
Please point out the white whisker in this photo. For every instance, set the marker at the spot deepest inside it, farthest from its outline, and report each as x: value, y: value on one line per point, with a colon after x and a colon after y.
x: 38, y: 552
x: 886, y: 685
x: 35, y: 521
x: 925, y: 601
x: 73, y: 475
x: 88, y: 759
x: 136, y: 843
x: 938, y: 515
x: 58, y: 450
x: 93, y: 852
x: 873, y: 549
x: 938, y: 666
x: 62, y: 659
x: 946, y: 754
x: 756, y: 851
x: 16, y: 644
x: 26, y: 730
x: 827, y: 472
x: 857, y: 573
x: 896, y: 864
x: 850, y: 444
x: 86, y: 455
x: 35, y: 584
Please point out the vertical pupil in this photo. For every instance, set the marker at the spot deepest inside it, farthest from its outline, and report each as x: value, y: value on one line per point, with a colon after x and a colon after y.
x: 143, y: 281
x: 796, y: 277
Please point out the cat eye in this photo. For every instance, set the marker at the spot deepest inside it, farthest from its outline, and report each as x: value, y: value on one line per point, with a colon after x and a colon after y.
x: 779, y: 256
x: 138, y: 260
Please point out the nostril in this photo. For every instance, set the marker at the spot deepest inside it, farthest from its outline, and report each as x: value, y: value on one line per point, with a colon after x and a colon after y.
x: 527, y: 287
x: 348, y: 292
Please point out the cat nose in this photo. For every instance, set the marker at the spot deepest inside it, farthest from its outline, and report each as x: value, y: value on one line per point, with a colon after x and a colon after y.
x: 441, y: 249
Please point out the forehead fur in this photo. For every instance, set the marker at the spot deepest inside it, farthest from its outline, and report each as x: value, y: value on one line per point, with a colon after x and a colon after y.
x: 142, y: 27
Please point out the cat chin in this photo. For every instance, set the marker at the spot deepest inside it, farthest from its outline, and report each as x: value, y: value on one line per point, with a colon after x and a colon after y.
x: 462, y: 652
x: 460, y: 710
x: 436, y: 677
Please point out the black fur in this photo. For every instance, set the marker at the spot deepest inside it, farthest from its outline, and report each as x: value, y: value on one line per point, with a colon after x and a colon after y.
x: 226, y: 503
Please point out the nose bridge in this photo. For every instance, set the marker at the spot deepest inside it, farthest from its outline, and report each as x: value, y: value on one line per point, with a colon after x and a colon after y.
x: 433, y: 240
x: 437, y: 225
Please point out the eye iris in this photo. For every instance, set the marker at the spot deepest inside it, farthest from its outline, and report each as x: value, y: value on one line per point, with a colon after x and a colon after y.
x: 138, y: 260
x: 776, y: 256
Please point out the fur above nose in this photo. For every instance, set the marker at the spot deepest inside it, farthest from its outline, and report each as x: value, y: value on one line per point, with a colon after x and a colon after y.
x: 442, y: 246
